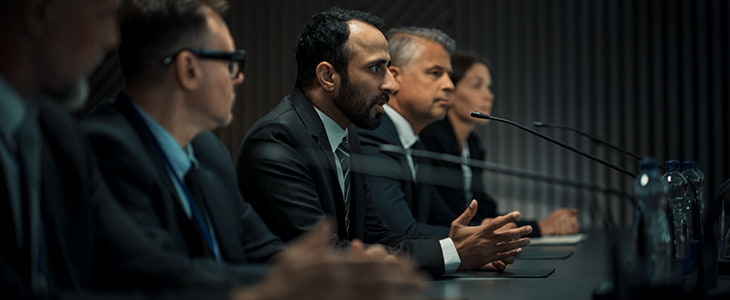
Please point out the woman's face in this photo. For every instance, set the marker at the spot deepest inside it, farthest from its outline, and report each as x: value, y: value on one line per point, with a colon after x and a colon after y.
x: 473, y: 93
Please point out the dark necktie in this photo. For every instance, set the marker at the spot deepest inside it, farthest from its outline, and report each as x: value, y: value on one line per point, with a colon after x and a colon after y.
x: 198, y: 208
x: 416, y: 160
x: 343, y: 154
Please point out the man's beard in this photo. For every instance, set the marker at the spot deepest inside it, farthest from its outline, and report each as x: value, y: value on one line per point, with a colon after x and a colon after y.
x: 354, y: 106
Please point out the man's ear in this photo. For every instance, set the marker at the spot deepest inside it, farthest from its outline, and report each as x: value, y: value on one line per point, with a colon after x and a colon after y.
x: 187, y: 70
x: 327, y: 77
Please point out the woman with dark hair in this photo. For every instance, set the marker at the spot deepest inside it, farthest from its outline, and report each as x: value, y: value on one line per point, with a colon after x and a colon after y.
x: 455, y: 135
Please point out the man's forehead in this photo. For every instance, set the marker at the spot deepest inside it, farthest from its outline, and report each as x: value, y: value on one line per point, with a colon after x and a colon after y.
x: 366, y: 38
x: 432, y: 54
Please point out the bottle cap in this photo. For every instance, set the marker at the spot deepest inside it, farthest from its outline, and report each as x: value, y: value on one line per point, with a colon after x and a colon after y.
x: 671, y: 165
x: 689, y: 164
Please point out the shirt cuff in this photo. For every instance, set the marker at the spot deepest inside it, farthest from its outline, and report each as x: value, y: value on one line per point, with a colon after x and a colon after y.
x: 451, y: 256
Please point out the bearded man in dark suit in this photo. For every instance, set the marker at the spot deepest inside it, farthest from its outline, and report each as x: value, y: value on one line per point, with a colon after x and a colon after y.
x: 300, y: 163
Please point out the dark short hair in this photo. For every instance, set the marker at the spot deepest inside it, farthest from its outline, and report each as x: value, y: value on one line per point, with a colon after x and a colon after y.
x: 150, y: 30
x: 461, y: 61
x: 323, y: 39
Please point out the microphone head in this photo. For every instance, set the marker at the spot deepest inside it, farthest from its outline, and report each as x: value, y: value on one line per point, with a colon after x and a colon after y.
x: 480, y: 115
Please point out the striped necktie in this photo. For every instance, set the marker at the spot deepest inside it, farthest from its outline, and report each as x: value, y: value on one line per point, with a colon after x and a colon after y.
x: 343, y: 154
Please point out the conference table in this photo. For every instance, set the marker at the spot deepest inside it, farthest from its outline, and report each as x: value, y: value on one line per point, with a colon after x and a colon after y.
x: 588, y: 270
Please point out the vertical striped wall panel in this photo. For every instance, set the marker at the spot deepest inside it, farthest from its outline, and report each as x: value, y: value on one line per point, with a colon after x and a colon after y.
x: 649, y: 75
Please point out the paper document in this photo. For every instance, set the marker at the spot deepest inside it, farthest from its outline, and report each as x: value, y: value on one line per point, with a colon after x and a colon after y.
x: 559, y: 239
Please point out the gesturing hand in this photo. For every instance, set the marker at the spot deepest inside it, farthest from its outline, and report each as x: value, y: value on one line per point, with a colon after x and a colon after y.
x: 493, y: 240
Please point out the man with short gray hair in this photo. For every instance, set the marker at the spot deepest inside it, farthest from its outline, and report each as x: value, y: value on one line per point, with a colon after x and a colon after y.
x: 420, y: 65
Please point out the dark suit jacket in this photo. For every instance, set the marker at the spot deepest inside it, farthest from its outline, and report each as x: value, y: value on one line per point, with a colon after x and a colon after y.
x: 136, y: 172
x: 287, y: 170
x: 439, y: 137
x: 410, y: 207
x: 91, y: 241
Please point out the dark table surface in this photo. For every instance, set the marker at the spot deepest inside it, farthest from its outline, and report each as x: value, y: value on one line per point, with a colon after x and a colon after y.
x: 587, y: 271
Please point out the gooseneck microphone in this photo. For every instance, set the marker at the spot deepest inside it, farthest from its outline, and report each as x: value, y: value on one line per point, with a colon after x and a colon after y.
x: 497, y: 168
x: 480, y: 115
x: 593, y: 138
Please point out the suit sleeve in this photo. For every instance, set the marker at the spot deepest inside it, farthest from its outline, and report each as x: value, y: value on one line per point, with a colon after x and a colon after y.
x: 274, y: 177
x: 426, y: 252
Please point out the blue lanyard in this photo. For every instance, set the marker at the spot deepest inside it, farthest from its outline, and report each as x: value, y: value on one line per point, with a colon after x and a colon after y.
x: 193, y: 207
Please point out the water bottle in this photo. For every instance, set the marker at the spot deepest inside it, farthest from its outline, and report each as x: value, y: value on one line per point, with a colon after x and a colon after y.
x: 654, y: 236
x: 680, y: 207
x: 696, y: 178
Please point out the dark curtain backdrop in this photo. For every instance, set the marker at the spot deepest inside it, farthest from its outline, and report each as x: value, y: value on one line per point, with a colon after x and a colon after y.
x: 650, y: 76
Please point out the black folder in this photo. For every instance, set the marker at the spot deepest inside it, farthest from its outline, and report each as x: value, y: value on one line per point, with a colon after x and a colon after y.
x: 518, y: 272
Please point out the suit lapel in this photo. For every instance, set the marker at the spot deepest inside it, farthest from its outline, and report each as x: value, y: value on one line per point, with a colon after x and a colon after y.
x: 124, y: 106
x: 390, y: 134
x: 314, y: 126
x: 323, y: 153
x: 195, y: 243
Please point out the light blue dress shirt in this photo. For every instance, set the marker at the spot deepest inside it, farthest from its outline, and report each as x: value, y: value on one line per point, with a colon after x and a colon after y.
x: 181, y: 160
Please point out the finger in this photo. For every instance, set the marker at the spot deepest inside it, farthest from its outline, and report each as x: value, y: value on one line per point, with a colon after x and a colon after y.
x: 500, y: 221
x: 467, y: 215
x: 511, y: 225
x: 491, y: 266
x: 512, y: 234
x: 357, y: 248
x: 513, y: 244
x: 507, y: 254
x: 499, y: 265
x: 376, y: 252
x: 391, y: 259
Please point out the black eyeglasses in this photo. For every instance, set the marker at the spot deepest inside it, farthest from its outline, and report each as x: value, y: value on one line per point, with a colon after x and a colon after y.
x: 236, y: 59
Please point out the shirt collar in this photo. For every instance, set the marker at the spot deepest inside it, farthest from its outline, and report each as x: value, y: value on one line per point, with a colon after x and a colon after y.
x: 12, y: 110
x: 181, y: 159
x: 405, y: 131
x: 335, y: 133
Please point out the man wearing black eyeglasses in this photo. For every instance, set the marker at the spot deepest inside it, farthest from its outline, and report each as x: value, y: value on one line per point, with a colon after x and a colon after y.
x: 153, y: 142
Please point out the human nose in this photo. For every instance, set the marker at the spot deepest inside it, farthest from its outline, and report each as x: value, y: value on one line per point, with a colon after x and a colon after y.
x: 390, y: 85
x: 448, y: 85
x: 489, y: 95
